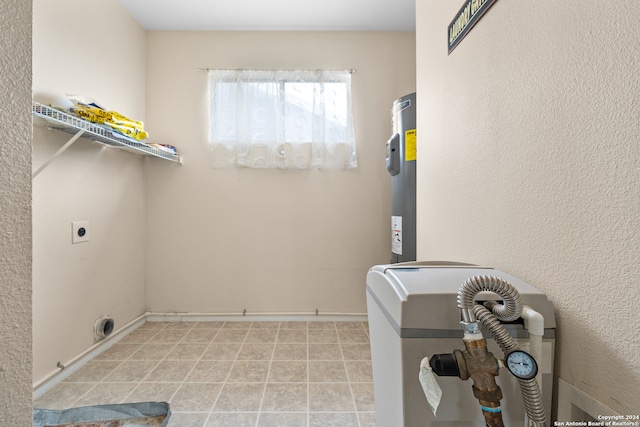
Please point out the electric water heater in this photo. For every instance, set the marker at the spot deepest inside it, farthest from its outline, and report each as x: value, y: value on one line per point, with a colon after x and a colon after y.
x: 401, y: 164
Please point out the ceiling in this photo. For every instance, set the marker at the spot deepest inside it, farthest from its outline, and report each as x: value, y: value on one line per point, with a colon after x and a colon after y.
x: 273, y: 15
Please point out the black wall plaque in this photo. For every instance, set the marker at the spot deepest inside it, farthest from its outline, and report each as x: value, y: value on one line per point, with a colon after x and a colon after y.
x: 468, y: 15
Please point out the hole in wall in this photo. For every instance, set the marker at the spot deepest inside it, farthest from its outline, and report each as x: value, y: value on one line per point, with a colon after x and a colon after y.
x: 103, y: 327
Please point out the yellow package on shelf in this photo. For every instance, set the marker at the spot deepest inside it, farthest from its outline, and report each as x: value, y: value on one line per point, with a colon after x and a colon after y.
x: 118, y: 122
x: 131, y: 132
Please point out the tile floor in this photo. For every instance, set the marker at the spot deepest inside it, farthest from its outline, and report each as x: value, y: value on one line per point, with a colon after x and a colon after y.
x: 234, y: 374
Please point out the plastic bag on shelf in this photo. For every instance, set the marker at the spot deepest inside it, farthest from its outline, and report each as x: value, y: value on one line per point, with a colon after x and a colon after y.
x: 90, y: 110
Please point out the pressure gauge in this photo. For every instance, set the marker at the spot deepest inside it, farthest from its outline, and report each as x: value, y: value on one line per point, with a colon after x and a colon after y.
x: 522, y: 365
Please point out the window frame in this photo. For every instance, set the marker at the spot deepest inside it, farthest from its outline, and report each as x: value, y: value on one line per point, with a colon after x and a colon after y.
x: 321, y: 131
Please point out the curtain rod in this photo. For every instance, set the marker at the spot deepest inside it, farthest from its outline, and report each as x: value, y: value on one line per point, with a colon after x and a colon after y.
x: 352, y: 70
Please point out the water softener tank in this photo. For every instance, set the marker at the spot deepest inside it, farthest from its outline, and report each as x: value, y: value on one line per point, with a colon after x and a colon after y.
x: 401, y: 164
x: 413, y: 313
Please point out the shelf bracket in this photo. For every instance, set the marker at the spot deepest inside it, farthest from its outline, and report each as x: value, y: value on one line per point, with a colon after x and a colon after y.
x: 60, y: 151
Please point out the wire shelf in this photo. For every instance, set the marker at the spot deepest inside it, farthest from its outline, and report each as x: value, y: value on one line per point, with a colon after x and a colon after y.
x: 55, y: 119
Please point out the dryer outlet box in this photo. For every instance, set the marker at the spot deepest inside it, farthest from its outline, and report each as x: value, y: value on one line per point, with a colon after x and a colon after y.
x: 79, y: 231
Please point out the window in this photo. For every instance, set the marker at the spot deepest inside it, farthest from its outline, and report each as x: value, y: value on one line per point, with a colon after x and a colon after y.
x: 281, y: 119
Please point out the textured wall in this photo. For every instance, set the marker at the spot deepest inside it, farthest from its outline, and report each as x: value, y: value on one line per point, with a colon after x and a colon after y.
x: 529, y: 161
x: 15, y: 214
x: 268, y: 240
x: 94, y: 49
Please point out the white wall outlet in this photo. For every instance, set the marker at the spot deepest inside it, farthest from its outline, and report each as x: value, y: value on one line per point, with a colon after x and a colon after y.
x: 79, y: 231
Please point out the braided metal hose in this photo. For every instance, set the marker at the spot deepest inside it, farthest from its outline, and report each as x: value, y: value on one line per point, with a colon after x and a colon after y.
x: 492, y: 324
x: 510, y: 310
x: 490, y: 317
x: 530, y: 389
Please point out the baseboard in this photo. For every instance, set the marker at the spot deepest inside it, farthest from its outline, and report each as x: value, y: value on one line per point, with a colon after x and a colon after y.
x: 55, y: 377
x: 68, y: 368
x: 575, y: 405
x: 256, y: 317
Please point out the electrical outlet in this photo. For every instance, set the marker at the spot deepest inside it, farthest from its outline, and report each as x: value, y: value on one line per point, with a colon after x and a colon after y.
x: 79, y: 231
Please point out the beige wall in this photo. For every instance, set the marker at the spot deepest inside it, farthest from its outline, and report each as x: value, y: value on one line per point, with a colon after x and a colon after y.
x: 267, y: 240
x: 92, y: 49
x: 529, y: 161
x: 15, y: 214
x: 212, y: 241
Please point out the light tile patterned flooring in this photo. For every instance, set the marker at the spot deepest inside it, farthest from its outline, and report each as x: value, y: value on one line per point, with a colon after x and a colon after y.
x: 236, y: 374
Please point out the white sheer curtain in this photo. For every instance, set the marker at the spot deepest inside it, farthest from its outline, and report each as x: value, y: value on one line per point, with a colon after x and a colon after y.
x: 281, y: 119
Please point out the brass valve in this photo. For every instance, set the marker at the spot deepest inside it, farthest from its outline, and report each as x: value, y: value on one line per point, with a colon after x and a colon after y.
x: 477, y: 363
